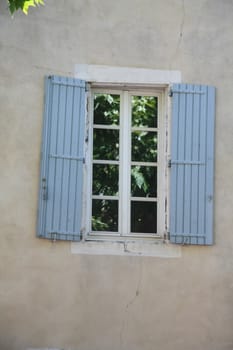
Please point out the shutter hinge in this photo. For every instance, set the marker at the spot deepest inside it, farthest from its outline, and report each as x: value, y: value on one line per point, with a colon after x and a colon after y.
x: 87, y: 87
x: 169, y: 163
x: 170, y: 93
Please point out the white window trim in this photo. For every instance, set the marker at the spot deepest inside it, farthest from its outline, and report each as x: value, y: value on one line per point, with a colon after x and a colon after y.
x: 126, y: 75
x: 106, y: 76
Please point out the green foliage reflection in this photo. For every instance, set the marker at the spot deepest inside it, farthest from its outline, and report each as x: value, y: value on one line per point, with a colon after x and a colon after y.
x: 144, y: 111
x: 105, y: 179
x: 104, y: 215
x: 144, y: 146
x: 106, y: 109
x: 143, y: 181
x: 106, y: 144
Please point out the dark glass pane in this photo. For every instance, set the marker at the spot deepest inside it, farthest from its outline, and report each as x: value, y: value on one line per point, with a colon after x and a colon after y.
x: 104, y: 215
x: 143, y: 181
x: 143, y: 217
x: 105, y: 179
x: 144, y: 111
x: 144, y: 146
x: 106, y: 109
x: 105, y: 144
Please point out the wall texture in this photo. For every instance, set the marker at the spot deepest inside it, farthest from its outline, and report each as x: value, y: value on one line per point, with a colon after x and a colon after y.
x: 51, y: 298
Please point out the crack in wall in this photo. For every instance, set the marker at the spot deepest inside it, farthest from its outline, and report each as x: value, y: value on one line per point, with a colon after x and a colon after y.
x: 180, y: 34
x: 129, y: 304
x: 182, y: 22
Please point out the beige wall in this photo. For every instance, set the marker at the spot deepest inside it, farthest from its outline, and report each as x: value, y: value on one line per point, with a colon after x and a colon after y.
x: 51, y: 298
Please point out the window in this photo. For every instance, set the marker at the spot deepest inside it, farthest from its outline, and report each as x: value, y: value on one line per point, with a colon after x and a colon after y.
x: 127, y: 154
x: 124, y: 190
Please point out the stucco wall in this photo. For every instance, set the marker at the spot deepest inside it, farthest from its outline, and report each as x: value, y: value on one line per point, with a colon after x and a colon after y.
x: 52, y: 298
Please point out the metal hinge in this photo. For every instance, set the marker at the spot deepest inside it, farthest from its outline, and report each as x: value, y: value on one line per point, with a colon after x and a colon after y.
x: 184, y: 162
x: 87, y: 87
x: 68, y: 157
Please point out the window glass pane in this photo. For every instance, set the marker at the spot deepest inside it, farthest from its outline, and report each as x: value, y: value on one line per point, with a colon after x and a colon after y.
x: 143, y: 181
x: 106, y: 109
x: 105, y: 144
x: 105, y: 179
x: 143, y: 217
x: 104, y: 215
x: 144, y: 111
x: 144, y: 146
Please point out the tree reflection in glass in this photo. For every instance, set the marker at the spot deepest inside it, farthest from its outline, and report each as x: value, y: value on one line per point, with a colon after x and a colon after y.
x: 104, y: 215
x: 106, y: 109
x: 143, y: 217
x: 105, y: 144
x: 143, y: 181
x: 144, y: 146
x: 105, y: 179
x: 105, y: 150
x: 144, y: 111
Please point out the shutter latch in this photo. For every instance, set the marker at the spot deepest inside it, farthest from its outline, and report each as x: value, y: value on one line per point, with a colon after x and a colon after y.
x: 166, y: 236
x: 44, y: 189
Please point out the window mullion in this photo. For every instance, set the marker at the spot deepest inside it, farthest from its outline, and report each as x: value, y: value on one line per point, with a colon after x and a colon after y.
x: 125, y: 158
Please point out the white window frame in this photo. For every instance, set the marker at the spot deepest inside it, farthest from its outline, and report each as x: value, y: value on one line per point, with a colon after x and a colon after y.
x: 124, y: 222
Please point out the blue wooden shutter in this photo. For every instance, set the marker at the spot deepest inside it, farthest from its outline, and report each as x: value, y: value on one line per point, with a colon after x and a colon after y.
x: 60, y: 195
x: 192, y: 164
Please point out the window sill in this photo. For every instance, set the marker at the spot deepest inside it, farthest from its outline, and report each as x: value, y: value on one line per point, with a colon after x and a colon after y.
x: 158, y: 248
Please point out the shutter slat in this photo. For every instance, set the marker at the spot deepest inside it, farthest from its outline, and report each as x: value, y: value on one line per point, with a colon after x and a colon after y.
x: 174, y: 144
x: 66, y: 150
x: 210, y: 162
x: 191, y: 210
x: 187, y: 168
x: 181, y: 155
x: 73, y: 194
x: 60, y: 215
x: 59, y: 163
x: 73, y: 166
x: 195, y: 168
x: 202, y: 155
x: 52, y: 117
